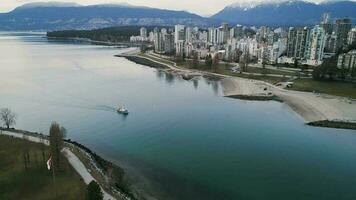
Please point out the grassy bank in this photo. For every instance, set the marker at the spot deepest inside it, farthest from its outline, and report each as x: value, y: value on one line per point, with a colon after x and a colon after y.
x: 256, y: 98
x: 143, y: 61
x: 35, y: 182
x: 337, y: 88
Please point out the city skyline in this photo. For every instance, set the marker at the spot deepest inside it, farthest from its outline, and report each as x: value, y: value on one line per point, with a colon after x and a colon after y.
x: 210, y: 6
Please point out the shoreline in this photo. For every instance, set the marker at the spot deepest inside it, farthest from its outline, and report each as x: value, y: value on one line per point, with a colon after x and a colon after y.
x: 120, y: 44
x: 316, y: 109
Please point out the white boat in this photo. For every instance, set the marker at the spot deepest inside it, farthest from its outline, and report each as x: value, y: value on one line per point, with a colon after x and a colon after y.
x: 123, y: 110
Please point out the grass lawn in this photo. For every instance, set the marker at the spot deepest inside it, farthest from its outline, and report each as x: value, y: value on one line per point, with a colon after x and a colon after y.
x: 36, y: 182
x: 337, y: 88
x: 269, y: 71
x: 225, y: 70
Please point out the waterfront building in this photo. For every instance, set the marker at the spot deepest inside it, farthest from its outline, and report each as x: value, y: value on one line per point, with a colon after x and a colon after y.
x: 351, y: 36
x: 158, y: 41
x: 189, y: 34
x: 315, y: 51
x: 347, y: 61
x: 275, y: 51
x: 330, y: 46
x: 291, y: 42
x: 169, y: 44
x: 342, y: 28
x: 326, y: 23
x: 224, y: 32
x: 203, y: 36
x: 143, y: 32
x: 297, y: 42
x: 213, y: 35
x: 179, y: 33
x: 180, y: 47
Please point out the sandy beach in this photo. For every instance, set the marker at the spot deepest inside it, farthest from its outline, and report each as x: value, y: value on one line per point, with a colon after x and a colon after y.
x: 312, y: 107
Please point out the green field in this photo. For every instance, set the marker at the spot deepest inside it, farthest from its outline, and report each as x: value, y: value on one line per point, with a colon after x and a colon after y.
x: 35, y: 182
x: 338, y: 88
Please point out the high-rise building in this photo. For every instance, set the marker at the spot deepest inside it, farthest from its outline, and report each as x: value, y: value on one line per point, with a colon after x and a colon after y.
x: 236, y: 32
x: 297, y: 42
x: 203, y: 36
x: 180, y: 46
x: 351, y: 37
x: 224, y: 33
x: 326, y: 23
x: 158, y: 41
x: 291, y: 42
x: 301, y: 42
x: 169, y: 44
x: 189, y: 34
x: 179, y: 33
x: 347, y: 61
x: 330, y: 46
x: 213, y: 35
x: 342, y: 28
x: 315, y: 51
x: 143, y: 32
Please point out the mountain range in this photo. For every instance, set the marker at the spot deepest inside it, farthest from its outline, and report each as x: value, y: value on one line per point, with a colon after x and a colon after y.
x: 55, y: 16
x: 285, y: 13
x: 59, y: 16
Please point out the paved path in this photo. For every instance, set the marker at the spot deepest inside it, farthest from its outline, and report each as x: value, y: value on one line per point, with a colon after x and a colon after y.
x: 72, y: 158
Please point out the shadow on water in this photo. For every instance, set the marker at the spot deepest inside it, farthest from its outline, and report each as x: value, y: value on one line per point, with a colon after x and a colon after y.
x: 195, y: 83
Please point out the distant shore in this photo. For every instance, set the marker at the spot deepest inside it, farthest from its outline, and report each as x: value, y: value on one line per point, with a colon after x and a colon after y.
x: 316, y: 109
x: 123, y: 44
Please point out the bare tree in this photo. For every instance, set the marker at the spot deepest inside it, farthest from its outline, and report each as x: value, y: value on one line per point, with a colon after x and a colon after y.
x: 215, y: 63
x: 244, y: 61
x: 56, y: 136
x: 7, y: 117
x: 195, y: 61
x: 264, y: 59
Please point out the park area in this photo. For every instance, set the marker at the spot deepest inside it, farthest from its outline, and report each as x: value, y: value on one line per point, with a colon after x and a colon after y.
x: 24, y: 173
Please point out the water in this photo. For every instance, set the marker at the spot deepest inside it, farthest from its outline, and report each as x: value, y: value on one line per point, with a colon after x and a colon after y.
x: 182, y: 139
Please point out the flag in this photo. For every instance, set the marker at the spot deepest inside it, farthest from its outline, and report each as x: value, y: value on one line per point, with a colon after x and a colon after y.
x: 49, y: 162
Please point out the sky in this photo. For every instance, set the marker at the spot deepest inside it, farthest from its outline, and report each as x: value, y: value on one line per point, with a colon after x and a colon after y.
x: 202, y: 7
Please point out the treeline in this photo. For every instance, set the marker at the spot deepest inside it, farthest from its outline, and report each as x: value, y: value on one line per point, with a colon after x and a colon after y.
x: 112, y: 34
x: 328, y: 70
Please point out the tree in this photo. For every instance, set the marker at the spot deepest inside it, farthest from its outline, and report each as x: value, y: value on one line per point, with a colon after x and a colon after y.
x: 296, y: 63
x: 94, y: 192
x: 7, y: 117
x: 328, y: 69
x: 264, y: 61
x: 244, y: 61
x: 215, y: 62
x: 195, y: 60
x: 56, y: 136
x: 208, y: 61
x: 264, y: 57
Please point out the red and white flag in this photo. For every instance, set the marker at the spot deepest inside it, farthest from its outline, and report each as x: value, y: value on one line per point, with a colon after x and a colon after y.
x: 49, y: 162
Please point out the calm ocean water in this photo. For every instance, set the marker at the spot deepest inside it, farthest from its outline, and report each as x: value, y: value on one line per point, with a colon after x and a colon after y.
x: 182, y: 139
